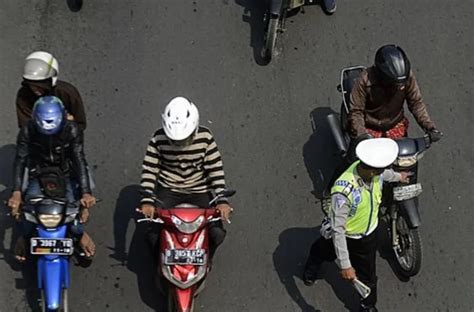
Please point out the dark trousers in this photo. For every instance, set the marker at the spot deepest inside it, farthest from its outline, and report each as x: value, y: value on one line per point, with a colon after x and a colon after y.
x: 172, y: 199
x: 362, y: 254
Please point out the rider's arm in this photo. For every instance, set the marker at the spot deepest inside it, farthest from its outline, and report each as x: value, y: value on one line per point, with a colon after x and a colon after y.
x: 357, y: 110
x: 339, y: 213
x: 416, y: 105
x: 150, y: 170
x: 78, y: 157
x: 73, y: 102
x: 214, y: 168
x: 21, y: 157
x: 23, y: 108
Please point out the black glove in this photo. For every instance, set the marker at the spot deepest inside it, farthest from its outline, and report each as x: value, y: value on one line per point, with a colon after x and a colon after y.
x: 435, y: 135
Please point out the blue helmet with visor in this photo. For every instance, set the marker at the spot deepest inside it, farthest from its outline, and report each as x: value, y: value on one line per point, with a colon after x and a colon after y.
x: 49, y: 115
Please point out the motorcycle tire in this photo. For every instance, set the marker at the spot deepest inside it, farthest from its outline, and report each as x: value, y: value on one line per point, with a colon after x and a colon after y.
x: 65, y: 303
x: 171, y: 302
x: 270, y: 38
x: 74, y: 5
x: 409, y: 252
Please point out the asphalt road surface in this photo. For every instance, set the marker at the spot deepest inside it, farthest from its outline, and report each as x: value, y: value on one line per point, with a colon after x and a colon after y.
x: 128, y: 58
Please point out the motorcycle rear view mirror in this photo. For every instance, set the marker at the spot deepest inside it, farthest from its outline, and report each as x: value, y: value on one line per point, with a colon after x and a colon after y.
x: 227, y: 193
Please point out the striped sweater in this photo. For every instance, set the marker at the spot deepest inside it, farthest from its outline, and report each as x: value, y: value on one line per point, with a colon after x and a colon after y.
x: 195, y: 168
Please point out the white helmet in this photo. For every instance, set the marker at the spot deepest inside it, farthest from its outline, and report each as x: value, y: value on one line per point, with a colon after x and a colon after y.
x: 40, y: 66
x: 377, y: 153
x: 180, y: 119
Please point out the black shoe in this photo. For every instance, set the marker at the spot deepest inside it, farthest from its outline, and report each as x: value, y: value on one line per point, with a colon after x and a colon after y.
x: 308, y: 279
x: 329, y: 6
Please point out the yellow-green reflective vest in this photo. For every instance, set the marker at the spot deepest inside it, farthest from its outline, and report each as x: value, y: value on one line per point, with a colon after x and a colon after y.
x: 364, y: 204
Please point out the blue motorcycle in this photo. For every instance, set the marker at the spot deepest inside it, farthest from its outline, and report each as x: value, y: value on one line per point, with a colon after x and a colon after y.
x: 53, y: 248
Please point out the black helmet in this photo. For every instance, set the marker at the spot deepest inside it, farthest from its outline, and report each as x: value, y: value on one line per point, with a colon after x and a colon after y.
x: 392, y: 64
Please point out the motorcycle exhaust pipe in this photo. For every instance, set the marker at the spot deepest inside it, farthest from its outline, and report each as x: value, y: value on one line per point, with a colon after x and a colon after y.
x: 337, y: 134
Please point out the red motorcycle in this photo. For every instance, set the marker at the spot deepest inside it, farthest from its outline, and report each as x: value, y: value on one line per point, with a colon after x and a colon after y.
x: 184, y: 250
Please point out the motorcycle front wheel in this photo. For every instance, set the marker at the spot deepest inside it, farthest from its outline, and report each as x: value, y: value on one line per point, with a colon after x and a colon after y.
x: 65, y: 303
x: 408, y: 253
x: 270, y: 38
x: 172, y: 304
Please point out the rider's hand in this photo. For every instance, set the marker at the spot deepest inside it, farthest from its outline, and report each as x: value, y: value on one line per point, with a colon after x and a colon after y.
x: 84, y: 215
x: 148, y: 210
x: 435, y: 135
x: 225, y: 211
x: 348, y: 274
x: 87, y: 200
x: 70, y: 117
x: 405, y: 176
x: 14, y: 203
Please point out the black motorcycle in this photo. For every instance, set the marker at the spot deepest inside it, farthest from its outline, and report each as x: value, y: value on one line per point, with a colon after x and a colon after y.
x: 399, y: 206
x: 275, y: 20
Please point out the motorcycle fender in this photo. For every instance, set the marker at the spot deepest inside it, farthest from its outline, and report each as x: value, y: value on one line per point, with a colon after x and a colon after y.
x: 409, y: 210
x: 52, y: 277
x: 184, y: 298
x: 276, y: 7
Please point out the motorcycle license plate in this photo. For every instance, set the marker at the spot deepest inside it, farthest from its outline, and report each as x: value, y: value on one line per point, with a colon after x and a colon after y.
x: 184, y: 257
x: 51, y: 246
x: 407, y: 191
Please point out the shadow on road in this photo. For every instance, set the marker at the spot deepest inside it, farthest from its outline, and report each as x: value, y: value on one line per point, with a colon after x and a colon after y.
x: 253, y: 15
x: 289, y: 258
x: 320, y: 153
x: 138, y: 259
x: 7, y: 155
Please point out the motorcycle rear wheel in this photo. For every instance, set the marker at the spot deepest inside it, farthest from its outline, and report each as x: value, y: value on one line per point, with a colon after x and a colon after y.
x: 74, y: 5
x: 271, y: 38
x: 409, y: 251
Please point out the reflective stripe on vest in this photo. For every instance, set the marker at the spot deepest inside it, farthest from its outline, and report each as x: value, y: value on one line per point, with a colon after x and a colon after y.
x: 364, y: 204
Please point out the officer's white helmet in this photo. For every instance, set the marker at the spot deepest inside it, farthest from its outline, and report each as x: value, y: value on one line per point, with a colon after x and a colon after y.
x: 41, y: 65
x: 377, y: 153
x: 180, y: 119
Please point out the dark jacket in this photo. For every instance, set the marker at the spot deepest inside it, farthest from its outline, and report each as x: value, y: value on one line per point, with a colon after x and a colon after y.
x: 377, y: 107
x: 64, y: 150
x: 65, y: 91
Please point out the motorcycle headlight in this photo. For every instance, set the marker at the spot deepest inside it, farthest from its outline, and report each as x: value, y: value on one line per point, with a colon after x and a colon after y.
x: 187, y: 227
x: 408, y: 161
x: 50, y: 221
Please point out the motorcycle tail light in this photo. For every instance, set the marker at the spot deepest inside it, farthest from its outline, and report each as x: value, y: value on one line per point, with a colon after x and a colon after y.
x: 50, y: 221
x: 408, y: 161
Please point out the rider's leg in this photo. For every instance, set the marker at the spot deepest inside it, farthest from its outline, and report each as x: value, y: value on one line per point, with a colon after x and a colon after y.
x: 26, y: 228
x: 322, y: 250
x: 362, y: 253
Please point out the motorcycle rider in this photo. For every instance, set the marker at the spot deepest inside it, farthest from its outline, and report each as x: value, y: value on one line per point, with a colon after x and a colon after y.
x: 378, y: 96
x: 349, y: 236
x: 51, y: 145
x: 40, y: 78
x: 182, y: 164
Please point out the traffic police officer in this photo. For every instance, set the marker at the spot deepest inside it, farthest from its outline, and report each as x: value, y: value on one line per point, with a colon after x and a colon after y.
x: 349, y: 235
